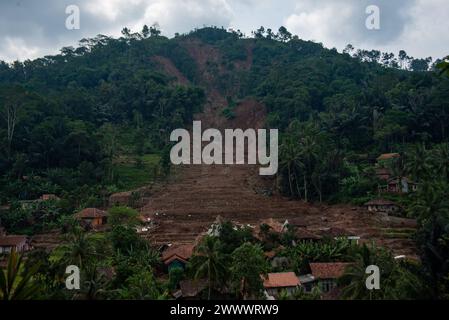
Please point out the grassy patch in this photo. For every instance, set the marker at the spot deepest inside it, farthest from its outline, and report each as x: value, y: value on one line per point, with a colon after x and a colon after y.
x: 135, y: 172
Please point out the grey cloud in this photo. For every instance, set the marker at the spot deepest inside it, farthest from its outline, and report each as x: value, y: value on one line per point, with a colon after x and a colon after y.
x: 30, y: 28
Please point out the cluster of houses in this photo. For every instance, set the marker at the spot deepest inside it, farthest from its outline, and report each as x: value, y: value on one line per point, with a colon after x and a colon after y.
x: 20, y: 243
x: 390, y: 184
x: 28, y: 204
x: 322, y: 275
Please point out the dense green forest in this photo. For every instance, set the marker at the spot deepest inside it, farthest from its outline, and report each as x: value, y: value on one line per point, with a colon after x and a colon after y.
x: 67, y: 120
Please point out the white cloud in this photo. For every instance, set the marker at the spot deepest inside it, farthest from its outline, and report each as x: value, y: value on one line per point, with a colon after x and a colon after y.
x: 418, y: 26
x: 30, y: 28
x: 16, y: 49
x: 328, y: 24
x: 182, y: 16
x: 427, y: 32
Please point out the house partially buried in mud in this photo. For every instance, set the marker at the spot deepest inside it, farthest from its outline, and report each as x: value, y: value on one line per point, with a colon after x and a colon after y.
x: 382, y: 206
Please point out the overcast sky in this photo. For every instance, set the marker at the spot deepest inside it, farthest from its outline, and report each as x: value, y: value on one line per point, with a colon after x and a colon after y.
x: 30, y: 28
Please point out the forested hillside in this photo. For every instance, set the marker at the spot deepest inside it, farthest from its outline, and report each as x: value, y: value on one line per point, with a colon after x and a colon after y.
x: 67, y: 117
x: 96, y: 119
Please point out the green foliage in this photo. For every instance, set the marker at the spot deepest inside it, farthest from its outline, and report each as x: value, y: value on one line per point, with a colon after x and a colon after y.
x: 306, y: 252
x: 444, y: 66
x: 136, y: 173
x: 96, y: 119
x: 398, y: 280
x: 80, y: 248
x: 142, y: 286
x: 175, y: 275
x: 16, y: 282
x: 248, y: 266
x: 123, y: 216
x: 209, y: 263
x: 231, y: 238
x: 125, y: 239
x: 431, y: 208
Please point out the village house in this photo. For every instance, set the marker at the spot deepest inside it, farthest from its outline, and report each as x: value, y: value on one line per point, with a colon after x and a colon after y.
x: 327, y: 274
x: 307, y: 282
x: 190, y: 289
x: 275, y: 283
x: 93, y: 217
x: 387, y: 157
x: 48, y: 197
x: 383, y: 174
x: 30, y: 204
x: 177, y: 256
x: 400, y: 185
x: 382, y: 206
x: 14, y: 242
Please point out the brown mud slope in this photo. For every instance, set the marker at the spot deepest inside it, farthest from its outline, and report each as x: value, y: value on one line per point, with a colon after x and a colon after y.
x: 167, y: 66
x: 189, y: 204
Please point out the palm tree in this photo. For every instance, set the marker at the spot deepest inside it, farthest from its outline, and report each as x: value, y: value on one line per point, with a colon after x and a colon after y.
x: 208, y: 263
x: 290, y: 161
x: 417, y: 164
x: 308, y: 147
x: 354, y: 278
x: 431, y: 208
x: 441, y: 159
x: 16, y: 282
x: 79, y: 248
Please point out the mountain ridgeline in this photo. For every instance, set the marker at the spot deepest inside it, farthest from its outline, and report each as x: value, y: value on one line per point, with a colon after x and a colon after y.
x: 67, y: 118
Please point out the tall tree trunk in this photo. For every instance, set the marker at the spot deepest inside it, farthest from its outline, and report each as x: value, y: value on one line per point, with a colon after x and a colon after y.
x: 297, y: 185
x: 290, y: 181
x: 210, y: 281
x: 305, y: 188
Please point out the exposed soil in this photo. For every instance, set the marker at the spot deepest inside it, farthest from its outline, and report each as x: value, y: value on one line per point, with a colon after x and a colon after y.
x: 189, y: 204
x: 169, y: 68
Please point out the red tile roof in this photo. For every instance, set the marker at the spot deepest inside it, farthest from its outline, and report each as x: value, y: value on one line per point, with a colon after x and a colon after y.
x: 281, y: 280
x: 90, y: 213
x: 178, y: 252
x: 46, y: 197
x: 388, y: 156
x: 12, y: 241
x: 328, y: 270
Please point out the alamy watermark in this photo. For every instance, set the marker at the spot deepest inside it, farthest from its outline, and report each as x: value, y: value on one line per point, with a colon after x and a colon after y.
x: 72, y: 282
x: 373, y: 280
x: 372, y: 22
x: 189, y: 150
x: 73, y: 20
